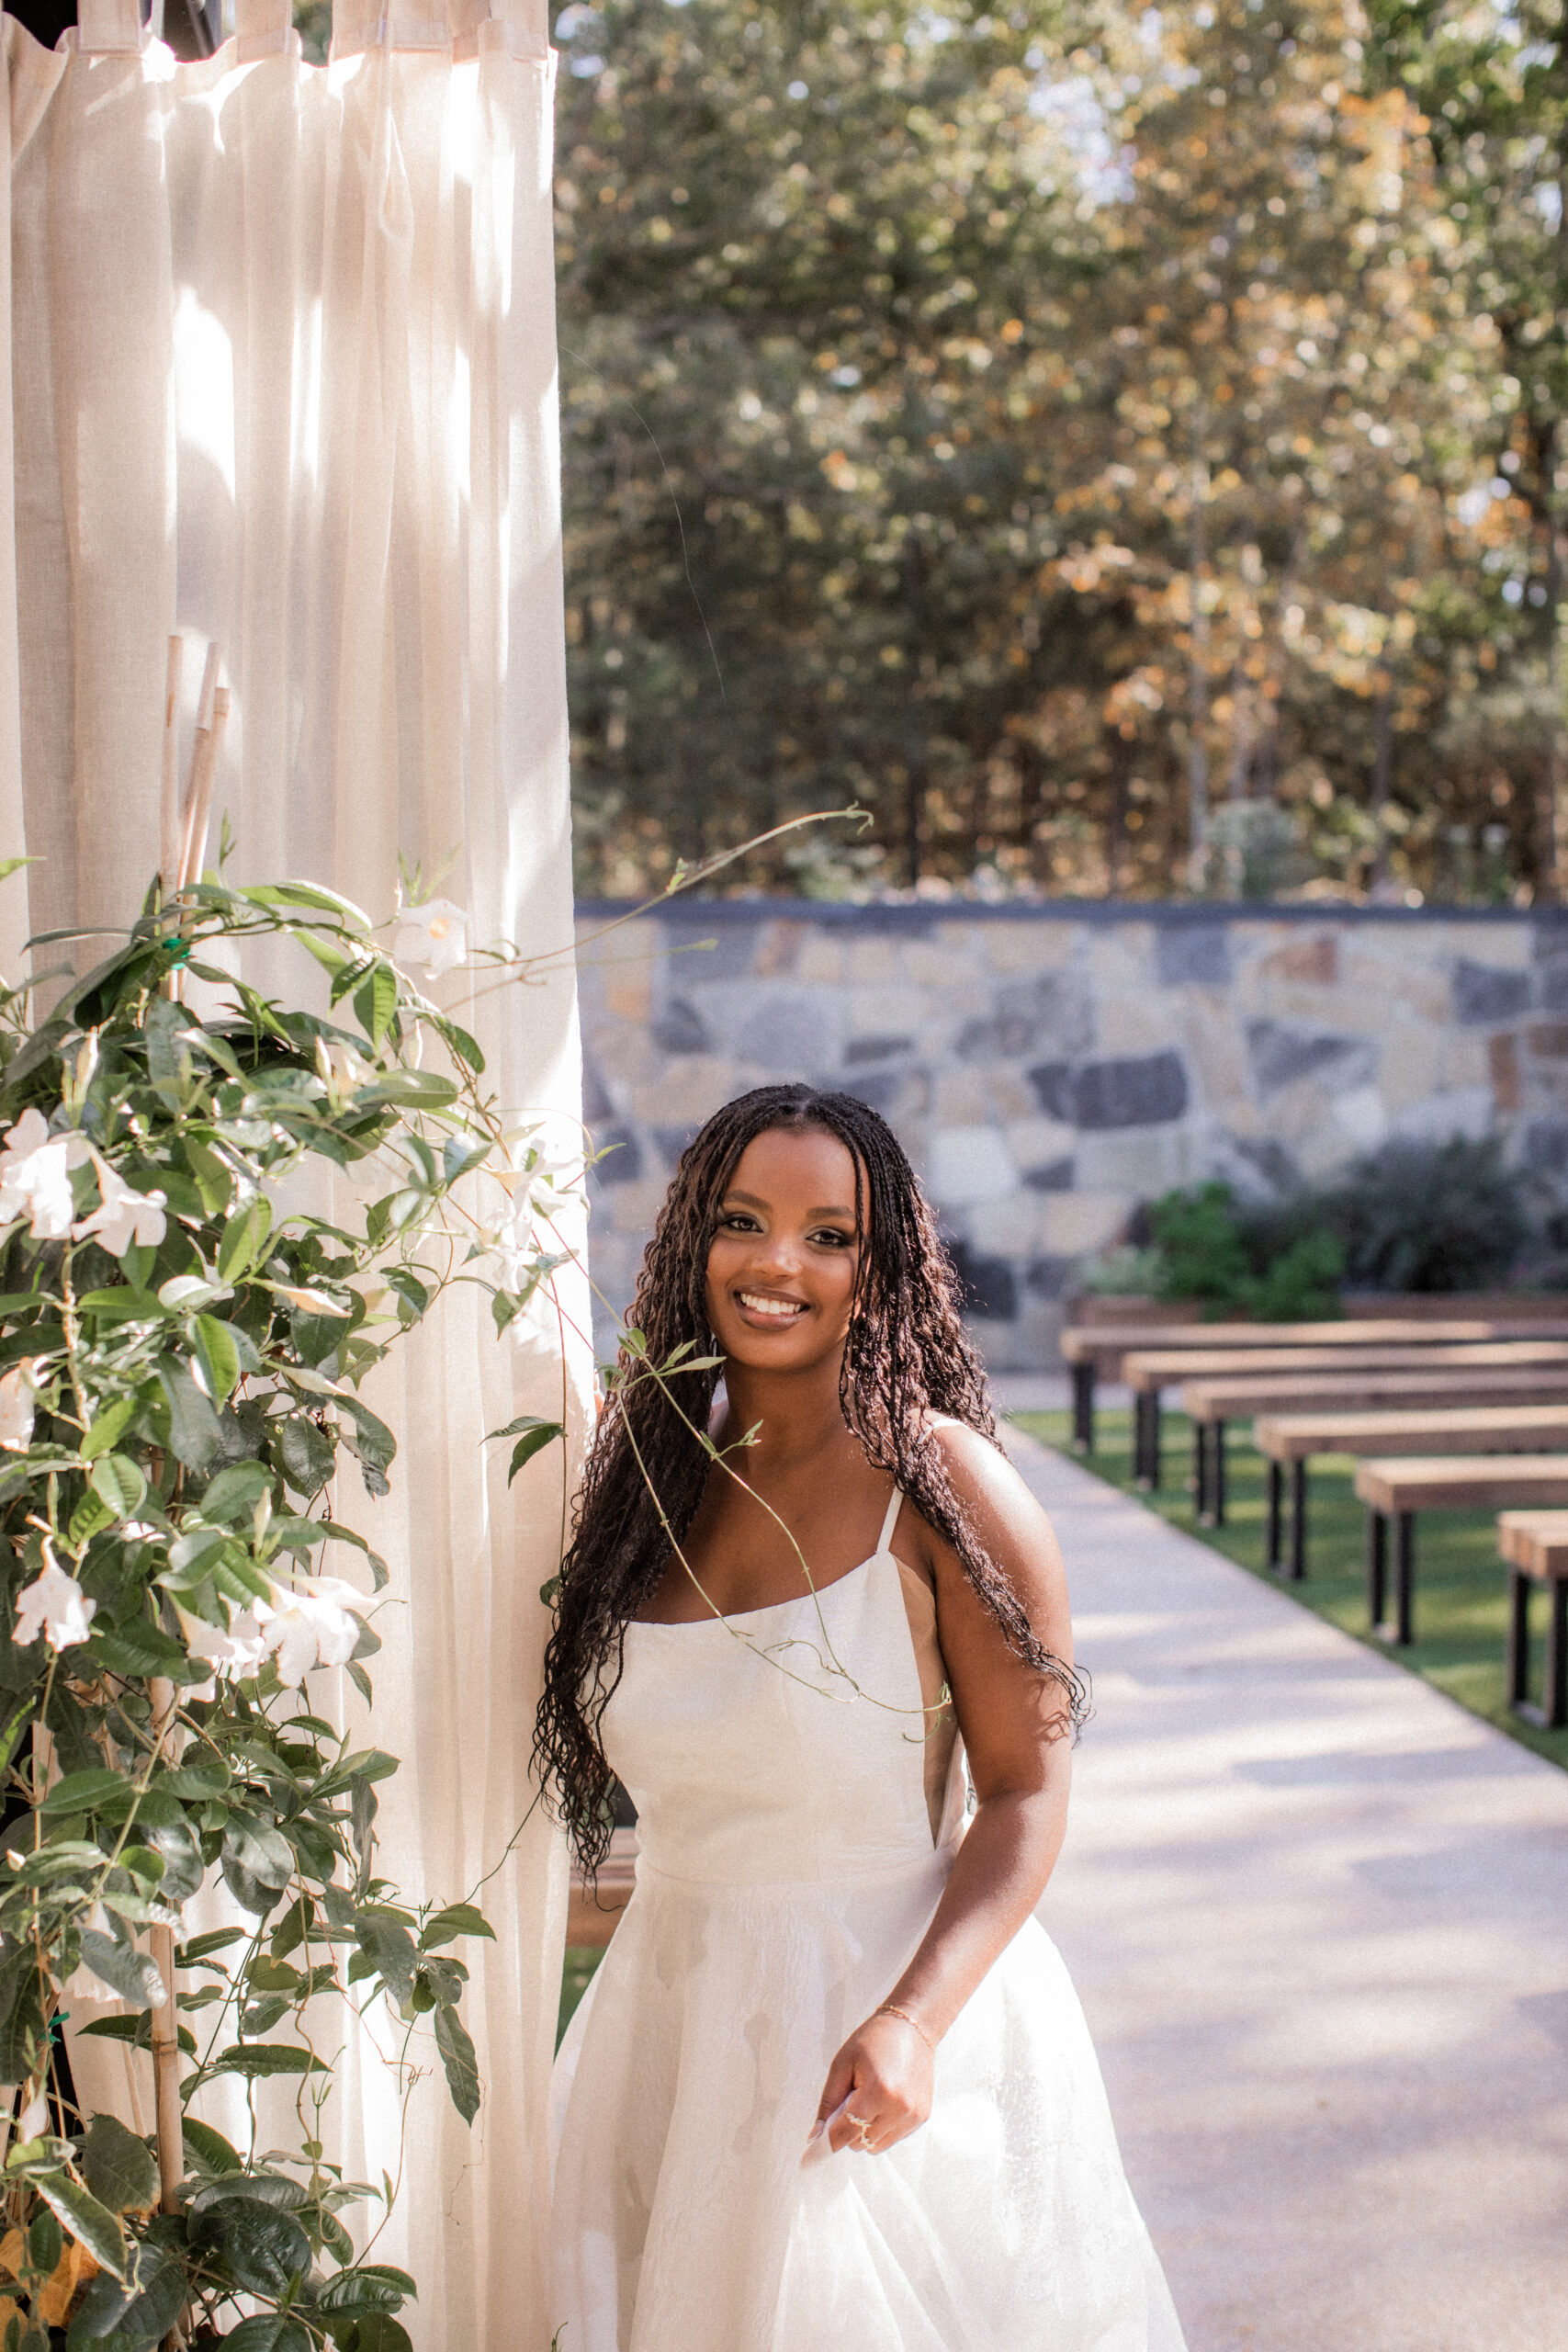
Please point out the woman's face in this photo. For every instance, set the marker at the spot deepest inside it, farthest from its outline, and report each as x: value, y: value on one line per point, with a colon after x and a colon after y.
x: 781, y: 1264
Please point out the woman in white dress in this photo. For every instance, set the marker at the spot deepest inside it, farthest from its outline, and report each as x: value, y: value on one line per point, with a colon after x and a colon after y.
x: 831, y: 2090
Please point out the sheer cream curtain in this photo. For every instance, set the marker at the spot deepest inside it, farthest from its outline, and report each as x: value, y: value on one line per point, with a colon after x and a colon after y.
x: 282, y: 355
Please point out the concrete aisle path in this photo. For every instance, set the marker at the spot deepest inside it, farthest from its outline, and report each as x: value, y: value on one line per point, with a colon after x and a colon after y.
x: 1318, y: 1917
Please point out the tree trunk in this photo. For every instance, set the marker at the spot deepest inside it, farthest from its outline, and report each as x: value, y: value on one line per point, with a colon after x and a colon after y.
x: 1198, y: 687
x: 1382, y: 775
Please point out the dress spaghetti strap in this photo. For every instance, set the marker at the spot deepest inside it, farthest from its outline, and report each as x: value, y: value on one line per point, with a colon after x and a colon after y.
x: 888, y: 1524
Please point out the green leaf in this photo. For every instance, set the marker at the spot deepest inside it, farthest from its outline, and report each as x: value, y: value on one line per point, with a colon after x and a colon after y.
x: 269, y: 2332
x: 136, y: 2031
x: 535, y: 1443
x: 458, y: 2057
x: 416, y: 1089
x: 234, y: 1493
x: 255, y: 2059
x: 265, y: 2249
x: 386, y: 1949
x: 304, y: 1452
x: 83, y: 2218
x: 376, y: 1000
x: 465, y: 1048
x: 139, y: 2312
x: 214, y: 1182
x: 199, y: 1774
x: 137, y: 1649
x: 307, y: 894
x: 212, y: 2153
x: 117, y: 2167
x: 130, y: 1973
x: 177, y: 1846
x: 85, y: 1792
x: 456, y: 1919
x: 104, y: 1429
x: 271, y: 2188
x: 245, y: 1237
x: 264, y: 1851
x: 219, y: 1356
x: 376, y: 2331
x: 373, y: 2287
x: 195, y: 1431
x: 119, y: 1485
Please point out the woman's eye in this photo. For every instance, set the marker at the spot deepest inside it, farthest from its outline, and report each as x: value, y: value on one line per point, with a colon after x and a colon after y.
x: 833, y: 1237
x: 737, y: 1223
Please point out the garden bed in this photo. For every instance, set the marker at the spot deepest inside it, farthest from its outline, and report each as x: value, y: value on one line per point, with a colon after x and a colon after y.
x: 1460, y: 1584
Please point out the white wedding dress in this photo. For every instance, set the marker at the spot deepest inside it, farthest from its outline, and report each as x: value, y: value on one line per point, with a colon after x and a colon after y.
x: 797, y: 1826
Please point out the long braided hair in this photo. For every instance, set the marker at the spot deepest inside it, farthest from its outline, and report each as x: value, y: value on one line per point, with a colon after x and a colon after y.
x: 905, y: 1359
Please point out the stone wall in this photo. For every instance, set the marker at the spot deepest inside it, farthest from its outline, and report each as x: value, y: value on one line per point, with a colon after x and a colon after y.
x: 1050, y: 1068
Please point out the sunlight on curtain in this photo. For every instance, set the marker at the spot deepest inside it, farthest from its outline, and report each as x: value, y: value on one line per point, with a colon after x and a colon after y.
x: 282, y: 359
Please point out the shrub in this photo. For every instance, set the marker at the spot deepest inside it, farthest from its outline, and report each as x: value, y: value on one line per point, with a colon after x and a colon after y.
x: 1278, y: 1264
x: 1424, y: 1216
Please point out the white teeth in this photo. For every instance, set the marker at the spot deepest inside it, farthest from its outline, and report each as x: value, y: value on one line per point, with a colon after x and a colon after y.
x: 782, y: 1308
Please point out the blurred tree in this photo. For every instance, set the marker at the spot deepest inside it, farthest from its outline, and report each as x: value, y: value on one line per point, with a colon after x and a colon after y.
x: 1038, y: 427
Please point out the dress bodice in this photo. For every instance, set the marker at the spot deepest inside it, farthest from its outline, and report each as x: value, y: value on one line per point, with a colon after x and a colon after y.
x: 791, y: 1743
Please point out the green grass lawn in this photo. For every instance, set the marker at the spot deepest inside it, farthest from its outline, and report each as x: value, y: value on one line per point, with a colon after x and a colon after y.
x: 1460, y: 1584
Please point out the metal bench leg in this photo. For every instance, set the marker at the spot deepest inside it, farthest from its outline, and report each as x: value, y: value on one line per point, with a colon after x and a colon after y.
x: 1377, y: 1568
x: 1140, y: 1438
x: 1154, y: 1441
x: 1219, y: 1473
x: 1555, y: 1693
x: 1519, y: 1638
x: 1298, y: 1521
x: 1276, y: 1498
x: 1083, y: 1407
x: 1404, y: 1578
x: 1200, y: 1470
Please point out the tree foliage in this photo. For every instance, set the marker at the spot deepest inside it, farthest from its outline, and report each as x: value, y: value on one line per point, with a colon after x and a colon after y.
x: 1050, y: 424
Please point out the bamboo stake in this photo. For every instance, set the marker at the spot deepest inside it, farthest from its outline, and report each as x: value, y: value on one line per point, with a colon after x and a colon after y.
x: 204, y: 768
x: 169, y: 782
x: 202, y: 750
x: 169, y: 2120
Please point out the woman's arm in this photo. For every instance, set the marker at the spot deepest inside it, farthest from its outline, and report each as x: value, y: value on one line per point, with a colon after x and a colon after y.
x: 1015, y: 1727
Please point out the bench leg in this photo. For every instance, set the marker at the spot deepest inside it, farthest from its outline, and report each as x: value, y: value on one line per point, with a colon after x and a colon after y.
x: 1518, y: 1637
x: 1154, y: 1461
x: 1275, y: 1500
x: 1140, y: 1438
x: 1404, y: 1578
x: 1555, y: 1694
x: 1298, y: 1521
x: 1377, y: 1568
x: 1200, y: 1470
x: 1219, y: 1473
x: 1083, y: 1407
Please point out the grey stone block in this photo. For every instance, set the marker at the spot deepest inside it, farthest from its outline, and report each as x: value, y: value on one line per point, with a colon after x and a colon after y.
x: 1193, y: 952
x: 1546, y: 1147
x: 1048, y: 1277
x: 860, y: 1050
x: 1055, y: 1176
x: 1052, y: 1011
x: 1554, y: 983
x: 1280, y: 1054
x: 1484, y: 993
x: 988, y: 1286
x: 789, y: 1033
x: 596, y: 1101
x: 679, y: 1028
x: 673, y: 1141
x: 1144, y: 1090
x: 877, y: 1088
x: 730, y: 954
x: 621, y: 1163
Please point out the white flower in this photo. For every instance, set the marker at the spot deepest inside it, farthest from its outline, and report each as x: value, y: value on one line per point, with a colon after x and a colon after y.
x: 342, y: 1070
x: 431, y: 937
x: 123, y: 1216
x: 54, y: 1604
x: 238, y: 1651
x: 309, y: 1624
x: 17, y: 1396
x: 35, y: 1176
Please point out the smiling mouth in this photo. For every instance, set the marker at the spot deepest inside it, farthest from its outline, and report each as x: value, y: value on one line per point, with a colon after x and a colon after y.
x: 778, y: 1311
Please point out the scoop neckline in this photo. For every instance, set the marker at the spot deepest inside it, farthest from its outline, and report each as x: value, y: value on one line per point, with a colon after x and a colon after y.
x: 770, y: 1608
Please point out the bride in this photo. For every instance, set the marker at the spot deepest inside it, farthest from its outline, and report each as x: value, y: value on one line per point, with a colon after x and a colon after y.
x: 831, y: 2090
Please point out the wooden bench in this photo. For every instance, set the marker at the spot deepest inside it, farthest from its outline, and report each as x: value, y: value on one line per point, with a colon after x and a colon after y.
x: 1397, y: 1489
x: 1094, y: 1351
x: 1289, y: 1441
x: 593, y: 1913
x: 1149, y: 1372
x: 1534, y: 1544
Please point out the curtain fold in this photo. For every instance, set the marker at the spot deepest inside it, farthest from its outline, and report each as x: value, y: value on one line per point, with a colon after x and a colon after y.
x: 281, y: 351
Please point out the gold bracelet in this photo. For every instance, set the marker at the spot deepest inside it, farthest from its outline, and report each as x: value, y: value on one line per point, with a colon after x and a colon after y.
x: 891, y: 2009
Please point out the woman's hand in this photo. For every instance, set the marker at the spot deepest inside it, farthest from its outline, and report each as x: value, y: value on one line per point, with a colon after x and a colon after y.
x: 881, y: 2080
